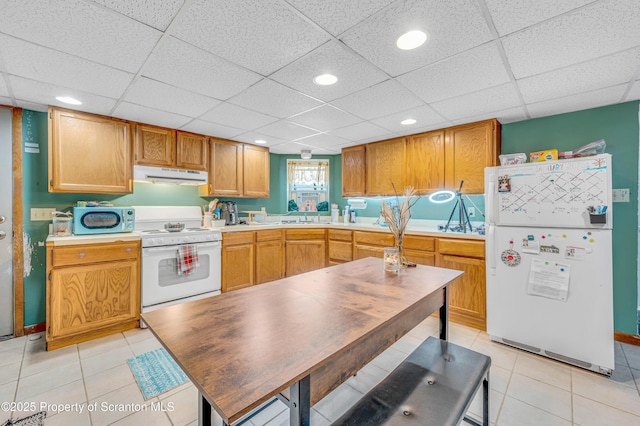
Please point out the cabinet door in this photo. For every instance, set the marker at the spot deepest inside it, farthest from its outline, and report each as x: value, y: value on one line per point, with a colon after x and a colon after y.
x: 88, y: 297
x: 353, y: 171
x: 361, y: 251
x: 420, y: 257
x: 304, y: 256
x: 225, y: 176
x: 237, y: 267
x: 89, y: 153
x: 425, y: 162
x: 256, y: 171
x: 385, y: 173
x: 467, y: 299
x: 269, y: 261
x: 155, y: 146
x: 192, y: 151
x: 340, y: 251
x: 468, y: 150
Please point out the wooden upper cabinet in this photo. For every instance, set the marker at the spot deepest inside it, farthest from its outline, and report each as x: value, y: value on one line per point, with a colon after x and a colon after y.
x: 425, y: 161
x: 385, y: 167
x: 470, y: 148
x: 225, y: 175
x: 155, y: 146
x: 192, y: 151
x: 256, y: 171
x: 353, y: 171
x: 89, y: 153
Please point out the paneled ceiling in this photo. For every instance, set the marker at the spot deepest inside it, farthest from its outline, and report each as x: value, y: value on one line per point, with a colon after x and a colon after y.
x: 244, y: 69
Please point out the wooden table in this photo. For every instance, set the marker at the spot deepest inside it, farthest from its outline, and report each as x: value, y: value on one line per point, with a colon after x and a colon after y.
x: 304, y: 334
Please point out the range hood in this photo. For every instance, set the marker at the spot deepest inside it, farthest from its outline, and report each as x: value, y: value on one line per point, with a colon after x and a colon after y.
x: 151, y: 174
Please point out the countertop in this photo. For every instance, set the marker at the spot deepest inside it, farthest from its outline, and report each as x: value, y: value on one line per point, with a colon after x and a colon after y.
x: 425, y: 227
x: 93, y: 239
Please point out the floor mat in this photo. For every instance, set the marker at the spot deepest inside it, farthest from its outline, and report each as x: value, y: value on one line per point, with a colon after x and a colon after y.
x: 36, y: 419
x: 156, y: 372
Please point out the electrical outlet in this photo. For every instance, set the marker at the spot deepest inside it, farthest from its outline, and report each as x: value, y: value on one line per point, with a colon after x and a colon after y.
x: 620, y: 195
x: 471, y: 211
x: 41, y: 214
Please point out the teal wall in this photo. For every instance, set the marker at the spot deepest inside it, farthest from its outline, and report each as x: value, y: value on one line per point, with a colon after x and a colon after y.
x: 618, y: 126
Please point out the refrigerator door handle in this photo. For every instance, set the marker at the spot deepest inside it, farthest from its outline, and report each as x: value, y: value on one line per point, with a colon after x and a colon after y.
x: 490, y: 249
x: 490, y: 199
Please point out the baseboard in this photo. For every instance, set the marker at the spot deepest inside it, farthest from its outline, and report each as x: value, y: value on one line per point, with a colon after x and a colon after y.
x: 631, y: 339
x: 35, y: 328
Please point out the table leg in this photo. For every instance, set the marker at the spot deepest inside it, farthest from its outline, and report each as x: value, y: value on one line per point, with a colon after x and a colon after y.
x: 300, y: 403
x: 444, y: 316
x: 204, y: 411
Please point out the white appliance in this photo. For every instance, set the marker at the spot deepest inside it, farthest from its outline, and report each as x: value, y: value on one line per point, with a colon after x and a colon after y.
x: 549, y: 259
x: 161, y: 285
x: 152, y: 174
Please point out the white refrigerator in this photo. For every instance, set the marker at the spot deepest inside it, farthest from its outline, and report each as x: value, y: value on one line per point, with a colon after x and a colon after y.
x: 549, y: 259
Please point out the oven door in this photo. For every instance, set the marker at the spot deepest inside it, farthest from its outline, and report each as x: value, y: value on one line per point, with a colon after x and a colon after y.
x: 161, y: 282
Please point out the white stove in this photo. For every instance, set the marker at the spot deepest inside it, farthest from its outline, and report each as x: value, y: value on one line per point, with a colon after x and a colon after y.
x: 161, y: 282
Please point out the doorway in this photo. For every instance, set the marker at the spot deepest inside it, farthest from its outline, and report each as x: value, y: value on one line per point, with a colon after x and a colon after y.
x: 6, y: 224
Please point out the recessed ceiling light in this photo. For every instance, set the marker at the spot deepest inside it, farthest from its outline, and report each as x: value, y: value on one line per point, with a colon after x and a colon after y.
x: 260, y: 141
x: 68, y: 100
x: 325, y: 79
x: 408, y: 121
x: 411, y: 40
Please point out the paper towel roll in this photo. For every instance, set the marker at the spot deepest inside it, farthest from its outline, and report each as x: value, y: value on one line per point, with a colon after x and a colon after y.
x: 357, y: 203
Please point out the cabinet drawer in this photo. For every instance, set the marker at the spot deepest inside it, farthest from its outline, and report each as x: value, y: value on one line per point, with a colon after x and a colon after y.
x: 91, y: 253
x: 374, y: 238
x: 234, y: 238
x: 268, y: 235
x: 340, y: 250
x: 419, y: 243
x: 305, y: 234
x: 339, y: 235
x: 464, y: 248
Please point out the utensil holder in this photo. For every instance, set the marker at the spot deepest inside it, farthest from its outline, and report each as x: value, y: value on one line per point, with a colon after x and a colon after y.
x: 595, y: 218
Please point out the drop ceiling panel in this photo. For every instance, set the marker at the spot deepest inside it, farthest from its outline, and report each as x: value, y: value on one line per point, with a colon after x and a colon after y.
x: 584, y: 77
x: 82, y: 29
x: 452, y: 27
x: 287, y: 148
x: 336, y: 16
x: 31, y: 106
x: 271, y: 98
x: 353, y: 72
x: 3, y: 89
x: 4, y: 100
x: 211, y: 129
x: 286, y: 131
x: 51, y: 66
x: 634, y: 93
x: 597, y: 98
x: 470, y: 71
x: 148, y: 115
x: 510, y: 115
x: 161, y: 96
x: 207, y: 74
x: 45, y: 94
x: 484, y: 101
x: 155, y: 13
x: 324, y: 118
x: 380, y: 100
x: 423, y: 115
x: 262, y: 39
x: 251, y: 137
x: 322, y: 140
x: 513, y: 15
x: 237, y: 117
x: 595, y: 30
x: 362, y: 131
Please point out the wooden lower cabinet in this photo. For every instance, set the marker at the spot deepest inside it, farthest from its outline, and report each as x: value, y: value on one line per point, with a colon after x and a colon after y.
x: 305, y: 250
x: 370, y: 244
x: 340, y: 246
x: 269, y: 256
x: 467, y: 298
x: 237, y: 260
x: 92, y: 290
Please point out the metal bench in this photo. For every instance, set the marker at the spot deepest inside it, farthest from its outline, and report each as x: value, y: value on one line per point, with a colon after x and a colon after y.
x: 433, y: 386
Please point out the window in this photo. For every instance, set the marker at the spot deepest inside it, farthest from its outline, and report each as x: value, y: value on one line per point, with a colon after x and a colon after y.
x: 307, y: 185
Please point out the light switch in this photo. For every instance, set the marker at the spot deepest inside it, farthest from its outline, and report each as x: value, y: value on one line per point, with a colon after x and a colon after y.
x: 620, y: 195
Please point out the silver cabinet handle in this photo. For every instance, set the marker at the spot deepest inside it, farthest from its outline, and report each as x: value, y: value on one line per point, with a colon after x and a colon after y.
x: 82, y: 254
x: 128, y: 249
x: 2, y: 235
x: 2, y: 219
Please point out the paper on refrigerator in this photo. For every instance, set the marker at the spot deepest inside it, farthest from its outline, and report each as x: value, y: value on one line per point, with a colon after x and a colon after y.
x: 549, y: 279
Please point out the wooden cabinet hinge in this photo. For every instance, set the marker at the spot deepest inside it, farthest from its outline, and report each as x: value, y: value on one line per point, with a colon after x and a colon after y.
x: 50, y: 115
x: 49, y: 330
x: 51, y: 182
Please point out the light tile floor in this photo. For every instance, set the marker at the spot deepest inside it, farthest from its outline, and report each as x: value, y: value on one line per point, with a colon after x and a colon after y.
x: 525, y: 389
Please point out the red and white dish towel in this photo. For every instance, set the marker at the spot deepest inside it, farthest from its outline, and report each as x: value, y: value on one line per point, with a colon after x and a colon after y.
x: 187, y: 259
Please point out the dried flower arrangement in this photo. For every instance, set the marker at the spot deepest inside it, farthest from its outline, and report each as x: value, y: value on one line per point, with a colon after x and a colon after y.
x: 397, y: 217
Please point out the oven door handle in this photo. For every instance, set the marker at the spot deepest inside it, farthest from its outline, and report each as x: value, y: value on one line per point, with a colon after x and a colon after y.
x: 175, y: 247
